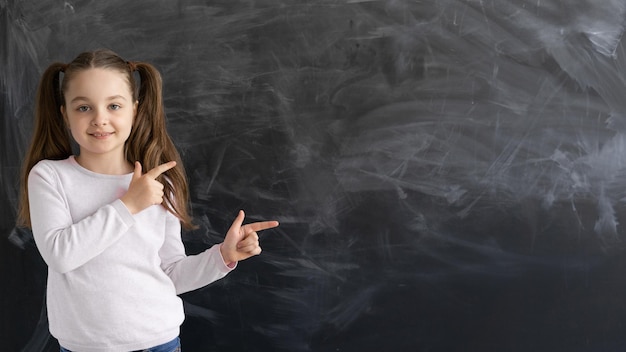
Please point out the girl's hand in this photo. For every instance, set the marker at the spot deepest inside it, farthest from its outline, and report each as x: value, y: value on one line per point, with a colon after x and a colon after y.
x: 242, y: 241
x: 145, y: 190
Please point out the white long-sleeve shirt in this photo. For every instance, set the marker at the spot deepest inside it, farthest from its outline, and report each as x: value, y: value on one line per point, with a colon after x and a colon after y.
x: 113, y: 277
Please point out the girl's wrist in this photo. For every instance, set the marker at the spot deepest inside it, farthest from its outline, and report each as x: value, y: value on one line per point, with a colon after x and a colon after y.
x: 229, y: 263
x: 128, y: 206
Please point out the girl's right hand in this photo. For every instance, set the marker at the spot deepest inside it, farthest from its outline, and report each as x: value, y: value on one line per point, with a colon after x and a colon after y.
x: 145, y: 190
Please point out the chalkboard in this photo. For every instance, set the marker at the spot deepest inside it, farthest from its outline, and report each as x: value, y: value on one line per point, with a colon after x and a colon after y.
x: 450, y: 175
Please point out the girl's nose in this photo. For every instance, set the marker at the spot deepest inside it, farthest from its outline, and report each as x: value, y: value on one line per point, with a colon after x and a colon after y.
x: 100, y: 118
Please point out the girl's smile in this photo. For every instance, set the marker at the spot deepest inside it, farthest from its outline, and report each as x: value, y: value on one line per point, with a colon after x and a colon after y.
x: 101, y: 135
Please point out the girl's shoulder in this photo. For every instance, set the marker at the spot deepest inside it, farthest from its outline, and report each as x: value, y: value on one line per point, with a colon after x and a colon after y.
x: 54, y: 164
x: 51, y: 171
x: 69, y: 172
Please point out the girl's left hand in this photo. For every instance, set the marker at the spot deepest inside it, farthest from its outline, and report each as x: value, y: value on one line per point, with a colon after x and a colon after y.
x: 242, y: 241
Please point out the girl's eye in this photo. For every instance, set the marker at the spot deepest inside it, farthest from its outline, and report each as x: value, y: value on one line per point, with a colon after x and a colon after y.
x: 83, y: 108
x: 115, y: 107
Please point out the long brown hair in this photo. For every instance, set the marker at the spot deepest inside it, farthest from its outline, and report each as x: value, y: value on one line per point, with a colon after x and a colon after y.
x: 148, y: 143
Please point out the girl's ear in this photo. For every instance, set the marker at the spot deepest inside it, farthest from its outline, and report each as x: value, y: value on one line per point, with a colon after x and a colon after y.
x: 64, y: 113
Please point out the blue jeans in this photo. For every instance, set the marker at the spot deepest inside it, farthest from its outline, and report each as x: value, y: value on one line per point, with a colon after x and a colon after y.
x: 172, y: 346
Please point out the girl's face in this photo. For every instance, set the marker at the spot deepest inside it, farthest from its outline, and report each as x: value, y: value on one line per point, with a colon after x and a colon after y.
x: 99, y: 110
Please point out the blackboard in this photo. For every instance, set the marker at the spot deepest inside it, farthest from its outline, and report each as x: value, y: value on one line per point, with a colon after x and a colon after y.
x: 449, y: 174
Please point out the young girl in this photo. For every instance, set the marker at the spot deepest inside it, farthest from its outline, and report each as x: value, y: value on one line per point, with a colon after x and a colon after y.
x: 109, y: 232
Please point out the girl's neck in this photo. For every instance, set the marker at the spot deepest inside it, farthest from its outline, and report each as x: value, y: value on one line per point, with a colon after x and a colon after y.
x: 105, y: 164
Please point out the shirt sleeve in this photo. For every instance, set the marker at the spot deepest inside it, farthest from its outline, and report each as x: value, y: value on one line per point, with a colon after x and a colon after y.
x: 65, y: 245
x: 189, y: 272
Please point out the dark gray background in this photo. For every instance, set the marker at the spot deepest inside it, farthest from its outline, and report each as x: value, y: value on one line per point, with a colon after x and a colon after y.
x: 449, y: 175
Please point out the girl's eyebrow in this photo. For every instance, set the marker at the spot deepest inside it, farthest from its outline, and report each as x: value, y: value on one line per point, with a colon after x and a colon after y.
x: 113, y: 97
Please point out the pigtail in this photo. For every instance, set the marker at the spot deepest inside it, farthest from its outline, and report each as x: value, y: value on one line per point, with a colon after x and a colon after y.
x: 51, y: 139
x: 150, y: 143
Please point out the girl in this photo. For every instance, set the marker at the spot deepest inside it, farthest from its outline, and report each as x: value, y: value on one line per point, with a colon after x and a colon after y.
x: 109, y: 233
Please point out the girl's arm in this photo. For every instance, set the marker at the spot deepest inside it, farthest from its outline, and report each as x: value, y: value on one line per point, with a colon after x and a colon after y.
x: 189, y: 272
x: 193, y: 272
x: 65, y: 245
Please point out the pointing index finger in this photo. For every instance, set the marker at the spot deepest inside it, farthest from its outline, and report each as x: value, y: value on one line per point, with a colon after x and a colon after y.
x: 155, y: 172
x: 261, y: 225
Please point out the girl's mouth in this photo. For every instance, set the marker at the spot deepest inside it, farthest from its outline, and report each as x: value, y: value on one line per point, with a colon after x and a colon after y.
x: 101, y: 134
